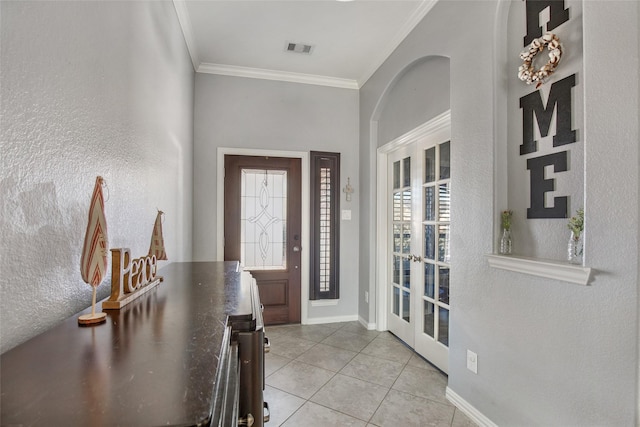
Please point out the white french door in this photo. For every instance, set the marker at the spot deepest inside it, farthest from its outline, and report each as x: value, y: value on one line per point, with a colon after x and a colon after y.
x: 418, y: 196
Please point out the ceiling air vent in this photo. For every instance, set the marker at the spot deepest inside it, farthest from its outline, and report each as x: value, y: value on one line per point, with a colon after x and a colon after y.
x: 299, y: 48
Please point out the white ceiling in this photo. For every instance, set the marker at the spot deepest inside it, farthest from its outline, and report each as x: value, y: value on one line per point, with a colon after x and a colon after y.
x: 350, y: 39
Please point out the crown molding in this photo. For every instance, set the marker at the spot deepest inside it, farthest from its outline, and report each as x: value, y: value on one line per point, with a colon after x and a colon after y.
x: 259, y: 73
x: 187, y: 31
x: 436, y: 124
x: 416, y: 17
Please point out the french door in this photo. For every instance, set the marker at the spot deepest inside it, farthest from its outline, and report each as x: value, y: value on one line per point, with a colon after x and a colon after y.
x: 419, y: 194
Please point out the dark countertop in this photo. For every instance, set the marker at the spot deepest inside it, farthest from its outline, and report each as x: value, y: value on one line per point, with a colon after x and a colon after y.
x: 152, y: 363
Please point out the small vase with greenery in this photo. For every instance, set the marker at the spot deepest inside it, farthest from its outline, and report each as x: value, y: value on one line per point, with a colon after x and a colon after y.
x: 505, y: 241
x: 576, y: 246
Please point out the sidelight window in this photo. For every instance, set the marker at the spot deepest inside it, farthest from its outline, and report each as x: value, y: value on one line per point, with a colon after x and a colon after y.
x: 325, y: 232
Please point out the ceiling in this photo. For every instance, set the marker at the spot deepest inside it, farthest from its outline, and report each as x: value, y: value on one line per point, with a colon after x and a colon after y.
x: 349, y: 39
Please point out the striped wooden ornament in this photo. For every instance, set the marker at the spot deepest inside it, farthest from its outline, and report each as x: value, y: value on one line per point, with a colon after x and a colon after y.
x: 93, y: 263
x: 157, y: 241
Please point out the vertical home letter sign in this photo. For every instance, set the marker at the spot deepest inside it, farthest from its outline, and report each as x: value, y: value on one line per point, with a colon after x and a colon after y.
x: 532, y: 105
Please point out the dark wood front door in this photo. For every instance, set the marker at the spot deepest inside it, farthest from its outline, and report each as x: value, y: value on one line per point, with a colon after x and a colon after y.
x: 262, y: 221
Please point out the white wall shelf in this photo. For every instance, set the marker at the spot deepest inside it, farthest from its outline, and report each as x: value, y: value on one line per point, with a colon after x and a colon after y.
x: 542, y: 268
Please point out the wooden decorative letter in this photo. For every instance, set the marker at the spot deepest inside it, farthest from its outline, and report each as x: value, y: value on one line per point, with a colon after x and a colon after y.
x: 130, y: 278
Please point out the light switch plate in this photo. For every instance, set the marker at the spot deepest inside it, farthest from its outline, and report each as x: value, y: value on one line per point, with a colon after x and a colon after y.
x: 472, y: 361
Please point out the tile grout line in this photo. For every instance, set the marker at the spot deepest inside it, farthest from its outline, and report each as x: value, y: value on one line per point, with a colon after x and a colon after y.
x: 305, y: 400
x: 284, y: 333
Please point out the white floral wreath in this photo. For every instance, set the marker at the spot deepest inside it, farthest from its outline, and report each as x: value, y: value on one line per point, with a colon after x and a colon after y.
x: 527, y: 73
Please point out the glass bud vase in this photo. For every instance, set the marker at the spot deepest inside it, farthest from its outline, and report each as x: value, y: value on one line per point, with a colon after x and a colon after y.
x: 575, y: 248
x: 505, y: 242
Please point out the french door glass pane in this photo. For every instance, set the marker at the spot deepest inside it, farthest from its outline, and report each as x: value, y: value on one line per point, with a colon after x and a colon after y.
x: 429, y: 203
x: 396, y: 301
x: 443, y: 243
x: 443, y: 327
x: 429, y: 326
x: 445, y: 160
x: 406, y: 172
x: 406, y: 238
x: 397, y: 206
x: 430, y: 165
x: 443, y: 283
x: 406, y: 272
x: 406, y: 306
x: 429, y: 280
x: 444, y: 203
x: 406, y: 205
x: 396, y: 269
x: 263, y: 213
x: 396, y: 174
x: 397, y: 236
x: 429, y: 241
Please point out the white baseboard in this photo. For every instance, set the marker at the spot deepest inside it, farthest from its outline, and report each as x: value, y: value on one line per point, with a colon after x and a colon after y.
x: 324, y: 302
x: 369, y: 326
x: 469, y: 410
x: 334, y: 319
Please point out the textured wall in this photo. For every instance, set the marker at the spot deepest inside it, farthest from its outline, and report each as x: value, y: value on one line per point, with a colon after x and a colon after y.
x: 261, y: 114
x: 549, y: 353
x: 88, y: 88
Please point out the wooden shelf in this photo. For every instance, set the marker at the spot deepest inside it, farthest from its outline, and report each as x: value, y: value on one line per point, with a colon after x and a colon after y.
x: 550, y: 269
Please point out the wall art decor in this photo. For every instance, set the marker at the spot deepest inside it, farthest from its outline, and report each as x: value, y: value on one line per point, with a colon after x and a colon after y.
x: 527, y: 72
x: 544, y: 161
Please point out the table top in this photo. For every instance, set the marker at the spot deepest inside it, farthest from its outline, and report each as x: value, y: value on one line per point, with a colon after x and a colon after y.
x: 153, y: 362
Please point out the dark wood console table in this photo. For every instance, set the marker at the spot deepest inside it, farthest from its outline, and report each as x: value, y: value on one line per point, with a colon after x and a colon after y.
x: 154, y: 362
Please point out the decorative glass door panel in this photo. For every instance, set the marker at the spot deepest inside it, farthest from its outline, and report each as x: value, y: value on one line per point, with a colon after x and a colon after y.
x: 263, y: 219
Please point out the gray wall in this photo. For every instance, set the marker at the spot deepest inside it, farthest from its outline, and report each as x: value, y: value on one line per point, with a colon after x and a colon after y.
x: 261, y: 114
x: 418, y: 94
x: 549, y: 352
x: 88, y: 88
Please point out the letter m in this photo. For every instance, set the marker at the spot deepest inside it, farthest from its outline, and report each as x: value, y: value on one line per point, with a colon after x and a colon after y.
x: 560, y: 100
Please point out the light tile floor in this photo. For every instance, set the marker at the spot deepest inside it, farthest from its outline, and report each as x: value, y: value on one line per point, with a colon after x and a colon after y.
x: 341, y: 374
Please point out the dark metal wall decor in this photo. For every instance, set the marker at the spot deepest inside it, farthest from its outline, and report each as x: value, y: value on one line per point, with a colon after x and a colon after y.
x: 559, y: 101
x: 558, y: 15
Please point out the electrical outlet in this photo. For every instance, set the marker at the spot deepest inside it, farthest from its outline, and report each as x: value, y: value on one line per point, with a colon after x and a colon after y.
x: 366, y: 297
x: 472, y: 361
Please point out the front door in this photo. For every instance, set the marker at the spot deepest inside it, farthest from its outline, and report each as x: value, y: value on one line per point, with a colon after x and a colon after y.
x: 262, y: 222
x: 419, y: 194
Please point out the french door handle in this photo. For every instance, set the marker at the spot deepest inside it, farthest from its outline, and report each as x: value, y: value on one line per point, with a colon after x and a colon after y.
x: 416, y: 258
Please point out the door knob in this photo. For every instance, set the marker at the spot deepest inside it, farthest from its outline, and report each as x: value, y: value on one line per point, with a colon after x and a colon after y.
x: 417, y: 258
x: 296, y: 249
